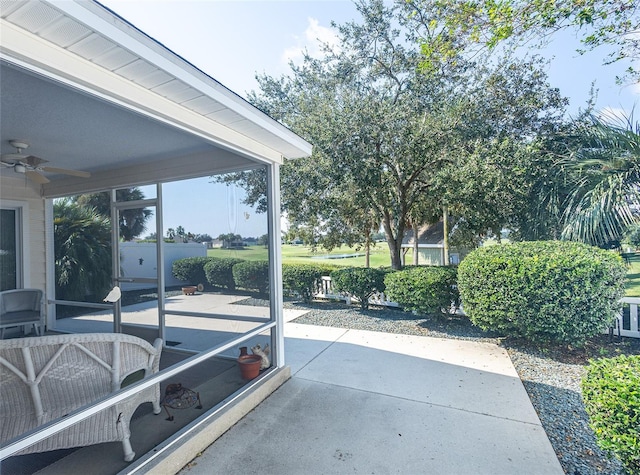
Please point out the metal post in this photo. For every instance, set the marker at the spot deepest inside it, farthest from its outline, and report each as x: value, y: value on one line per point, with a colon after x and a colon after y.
x: 115, y: 260
x: 160, y: 263
x: 275, y: 262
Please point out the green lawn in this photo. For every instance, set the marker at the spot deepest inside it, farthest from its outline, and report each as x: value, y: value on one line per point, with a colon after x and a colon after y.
x: 633, y: 277
x: 304, y: 255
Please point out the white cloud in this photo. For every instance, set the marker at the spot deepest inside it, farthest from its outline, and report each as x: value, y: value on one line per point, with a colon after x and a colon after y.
x: 312, y: 41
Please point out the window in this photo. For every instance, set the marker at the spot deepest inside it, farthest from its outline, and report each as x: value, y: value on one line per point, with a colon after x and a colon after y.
x: 10, y: 269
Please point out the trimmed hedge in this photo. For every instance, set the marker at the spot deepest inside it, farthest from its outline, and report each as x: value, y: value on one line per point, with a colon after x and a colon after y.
x: 424, y: 289
x: 546, y: 291
x: 301, y: 280
x: 360, y: 282
x: 611, y: 394
x: 190, y: 270
x: 252, y: 275
x: 219, y: 271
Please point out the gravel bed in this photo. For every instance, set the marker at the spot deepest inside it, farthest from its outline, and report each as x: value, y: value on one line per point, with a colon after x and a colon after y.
x: 551, y: 376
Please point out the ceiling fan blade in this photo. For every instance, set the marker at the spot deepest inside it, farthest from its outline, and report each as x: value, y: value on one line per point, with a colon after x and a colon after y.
x: 35, y: 177
x: 64, y: 171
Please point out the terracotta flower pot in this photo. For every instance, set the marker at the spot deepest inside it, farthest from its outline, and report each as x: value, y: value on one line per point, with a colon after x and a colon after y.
x: 249, y: 366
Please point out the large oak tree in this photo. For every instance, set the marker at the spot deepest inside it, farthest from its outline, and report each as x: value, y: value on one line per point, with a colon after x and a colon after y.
x: 388, y: 137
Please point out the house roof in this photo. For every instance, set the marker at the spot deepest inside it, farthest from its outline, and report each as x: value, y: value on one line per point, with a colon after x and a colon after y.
x: 428, y: 235
x: 87, y: 90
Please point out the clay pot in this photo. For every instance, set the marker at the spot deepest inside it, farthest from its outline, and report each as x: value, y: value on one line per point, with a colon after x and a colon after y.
x: 189, y: 290
x: 249, y: 366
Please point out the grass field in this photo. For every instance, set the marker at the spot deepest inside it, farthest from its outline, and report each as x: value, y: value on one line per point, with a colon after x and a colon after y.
x: 303, y: 255
x: 633, y: 277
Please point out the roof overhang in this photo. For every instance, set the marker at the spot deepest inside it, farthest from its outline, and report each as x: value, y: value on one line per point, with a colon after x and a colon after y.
x: 89, y: 91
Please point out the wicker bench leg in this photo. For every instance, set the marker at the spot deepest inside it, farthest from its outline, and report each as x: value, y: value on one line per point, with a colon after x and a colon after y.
x: 129, y: 454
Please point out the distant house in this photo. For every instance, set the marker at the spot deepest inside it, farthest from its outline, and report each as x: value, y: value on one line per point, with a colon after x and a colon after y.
x: 213, y: 244
x: 431, y: 246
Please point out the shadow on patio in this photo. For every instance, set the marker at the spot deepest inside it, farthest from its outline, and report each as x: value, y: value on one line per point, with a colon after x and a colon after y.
x: 215, y: 379
x: 358, y: 401
x: 371, y: 402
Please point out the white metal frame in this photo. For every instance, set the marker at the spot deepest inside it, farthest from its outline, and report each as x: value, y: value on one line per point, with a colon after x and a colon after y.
x: 23, y: 263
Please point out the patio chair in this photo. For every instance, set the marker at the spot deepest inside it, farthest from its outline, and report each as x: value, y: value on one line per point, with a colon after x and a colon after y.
x: 21, y: 308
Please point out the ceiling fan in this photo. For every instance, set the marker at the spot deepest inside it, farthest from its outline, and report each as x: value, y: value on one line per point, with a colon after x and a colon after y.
x: 31, y: 166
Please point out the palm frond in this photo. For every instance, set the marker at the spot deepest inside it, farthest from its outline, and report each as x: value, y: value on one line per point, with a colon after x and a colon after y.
x: 605, y: 175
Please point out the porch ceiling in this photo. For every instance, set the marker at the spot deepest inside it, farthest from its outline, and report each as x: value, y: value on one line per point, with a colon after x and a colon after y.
x: 88, y: 91
x: 76, y: 131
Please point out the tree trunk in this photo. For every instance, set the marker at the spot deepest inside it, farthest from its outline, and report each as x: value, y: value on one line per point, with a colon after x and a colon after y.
x: 367, y: 253
x: 414, y: 225
x: 394, y: 242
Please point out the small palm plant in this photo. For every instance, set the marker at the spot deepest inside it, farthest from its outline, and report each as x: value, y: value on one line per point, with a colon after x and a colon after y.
x: 82, y: 248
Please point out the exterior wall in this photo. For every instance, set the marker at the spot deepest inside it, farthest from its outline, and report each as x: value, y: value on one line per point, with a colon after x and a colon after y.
x: 138, y: 259
x: 430, y: 256
x: 17, y: 192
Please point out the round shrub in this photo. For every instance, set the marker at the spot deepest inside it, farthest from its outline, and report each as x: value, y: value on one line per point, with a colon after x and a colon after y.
x: 219, y: 271
x: 301, y: 279
x: 190, y: 270
x: 611, y: 394
x: 424, y: 289
x: 360, y: 282
x: 252, y: 275
x: 545, y: 291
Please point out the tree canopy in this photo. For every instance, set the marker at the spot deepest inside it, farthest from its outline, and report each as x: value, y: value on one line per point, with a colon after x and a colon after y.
x: 482, y: 25
x: 388, y: 138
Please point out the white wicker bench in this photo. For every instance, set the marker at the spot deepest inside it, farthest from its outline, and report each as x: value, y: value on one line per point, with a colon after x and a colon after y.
x: 44, y: 378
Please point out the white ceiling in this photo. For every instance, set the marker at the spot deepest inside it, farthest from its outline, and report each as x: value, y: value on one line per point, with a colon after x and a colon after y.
x: 73, y: 130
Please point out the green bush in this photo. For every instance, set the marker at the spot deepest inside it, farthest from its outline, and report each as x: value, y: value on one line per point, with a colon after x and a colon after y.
x: 546, y: 291
x: 190, y: 270
x: 219, y: 271
x: 361, y: 282
x: 301, y: 279
x: 611, y: 393
x: 424, y: 289
x: 252, y: 275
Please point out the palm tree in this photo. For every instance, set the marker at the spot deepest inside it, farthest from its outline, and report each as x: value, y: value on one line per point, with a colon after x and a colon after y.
x: 132, y: 221
x: 604, y: 177
x: 82, y: 249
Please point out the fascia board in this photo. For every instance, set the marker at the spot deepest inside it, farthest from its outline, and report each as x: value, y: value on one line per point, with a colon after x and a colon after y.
x: 111, y: 26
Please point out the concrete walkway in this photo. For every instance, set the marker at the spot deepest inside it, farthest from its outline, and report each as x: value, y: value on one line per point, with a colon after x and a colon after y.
x: 366, y: 402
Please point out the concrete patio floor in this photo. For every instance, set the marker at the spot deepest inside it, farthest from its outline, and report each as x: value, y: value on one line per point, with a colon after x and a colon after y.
x: 366, y: 402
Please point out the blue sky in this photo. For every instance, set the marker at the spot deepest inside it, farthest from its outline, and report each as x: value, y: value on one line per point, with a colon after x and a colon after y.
x: 233, y: 40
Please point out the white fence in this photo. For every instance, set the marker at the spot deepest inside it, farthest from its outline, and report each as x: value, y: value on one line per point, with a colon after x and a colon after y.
x: 626, y: 323
x: 325, y: 291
